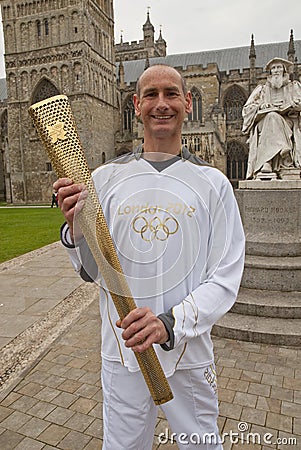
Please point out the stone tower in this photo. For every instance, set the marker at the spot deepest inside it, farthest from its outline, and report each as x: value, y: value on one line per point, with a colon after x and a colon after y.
x: 57, y: 47
x: 148, y: 33
x: 145, y: 48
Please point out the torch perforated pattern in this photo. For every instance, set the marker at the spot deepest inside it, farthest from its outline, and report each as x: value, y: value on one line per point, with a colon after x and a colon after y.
x: 56, y: 127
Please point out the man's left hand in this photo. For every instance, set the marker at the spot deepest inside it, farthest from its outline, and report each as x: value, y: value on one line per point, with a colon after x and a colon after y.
x: 142, y: 329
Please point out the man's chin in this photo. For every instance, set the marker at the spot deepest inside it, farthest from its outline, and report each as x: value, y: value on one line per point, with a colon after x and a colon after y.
x: 161, y: 132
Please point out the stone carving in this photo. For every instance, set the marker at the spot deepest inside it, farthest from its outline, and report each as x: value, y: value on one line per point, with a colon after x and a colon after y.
x: 271, y: 117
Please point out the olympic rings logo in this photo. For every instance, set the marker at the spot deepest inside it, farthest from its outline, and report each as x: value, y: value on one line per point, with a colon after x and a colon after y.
x: 155, y: 228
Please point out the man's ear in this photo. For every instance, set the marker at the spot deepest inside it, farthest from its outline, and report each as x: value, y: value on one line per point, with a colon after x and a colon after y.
x: 136, y: 102
x: 188, y: 102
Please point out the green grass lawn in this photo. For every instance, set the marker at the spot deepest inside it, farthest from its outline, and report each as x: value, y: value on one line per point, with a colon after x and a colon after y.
x: 26, y: 229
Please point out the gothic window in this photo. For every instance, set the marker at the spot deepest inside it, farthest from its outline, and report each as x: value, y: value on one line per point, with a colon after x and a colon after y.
x: 9, y: 38
x: 24, y: 36
x: 104, y: 89
x: 46, y: 24
x: 24, y: 84
x: 101, y: 86
x: 12, y: 85
x: 196, y: 144
x: 196, y: 113
x: 33, y: 77
x: 103, y: 157
x: 65, y: 78
x: 77, y: 73
x: 96, y: 88
x: 54, y: 29
x: 44, y: 90
x: 234, y: 101
x: 61, y: 28
x: 75, y: 21
x: 184, y: 141
x: 237, y: 160
x: 6, y: 12
x: 38, y: 28
x: 128, y: 115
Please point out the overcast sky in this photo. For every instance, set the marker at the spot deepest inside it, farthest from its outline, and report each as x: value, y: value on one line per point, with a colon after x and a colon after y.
x: 196, y: 25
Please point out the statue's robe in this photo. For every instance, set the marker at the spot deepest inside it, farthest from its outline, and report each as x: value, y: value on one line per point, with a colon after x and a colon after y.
x: 274, y: 133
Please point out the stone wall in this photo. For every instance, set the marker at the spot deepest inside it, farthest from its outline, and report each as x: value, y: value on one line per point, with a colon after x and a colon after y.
x: 64, y: 48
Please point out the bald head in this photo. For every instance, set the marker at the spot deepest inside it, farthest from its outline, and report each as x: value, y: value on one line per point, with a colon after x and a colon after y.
x: 163, y: 68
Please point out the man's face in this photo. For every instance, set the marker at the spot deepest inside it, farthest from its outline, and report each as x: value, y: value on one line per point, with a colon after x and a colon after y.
x: 162, y: 104
x: 276, y: 77
x: 277, y: 69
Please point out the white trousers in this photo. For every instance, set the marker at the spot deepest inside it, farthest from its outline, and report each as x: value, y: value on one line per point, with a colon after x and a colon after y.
x: 129, y: 413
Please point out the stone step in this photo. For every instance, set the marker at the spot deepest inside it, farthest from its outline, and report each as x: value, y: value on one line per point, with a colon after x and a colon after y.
x: 265, y: 330
x: 274, y: 262
x: 263, y: 303
x: 279, y: 273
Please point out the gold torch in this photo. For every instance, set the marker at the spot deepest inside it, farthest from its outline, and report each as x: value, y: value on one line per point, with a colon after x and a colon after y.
x: 56, y: 127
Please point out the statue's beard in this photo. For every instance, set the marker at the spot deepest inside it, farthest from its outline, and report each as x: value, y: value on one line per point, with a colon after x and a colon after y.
x: 277, y: 81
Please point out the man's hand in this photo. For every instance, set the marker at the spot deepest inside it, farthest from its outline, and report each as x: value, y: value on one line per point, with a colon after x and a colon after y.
x: 142, y: 329
x: 264, y: 106
x: 69, y: 195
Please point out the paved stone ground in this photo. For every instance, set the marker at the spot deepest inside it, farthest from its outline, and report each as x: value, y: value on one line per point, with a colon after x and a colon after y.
x: 57, y: 402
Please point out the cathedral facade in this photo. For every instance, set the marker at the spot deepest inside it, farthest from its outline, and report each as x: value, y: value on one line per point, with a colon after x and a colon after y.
x: 220, y: 82
x: 55, y: 47
x: 67, y: 47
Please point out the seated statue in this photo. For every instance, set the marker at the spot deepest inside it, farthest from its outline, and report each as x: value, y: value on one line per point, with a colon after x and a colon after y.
x: 271, y: 117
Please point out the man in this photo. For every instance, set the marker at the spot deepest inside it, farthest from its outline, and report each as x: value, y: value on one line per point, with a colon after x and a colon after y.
x: 271, y: 116
x: 54, y: 200
x: 177, y: 231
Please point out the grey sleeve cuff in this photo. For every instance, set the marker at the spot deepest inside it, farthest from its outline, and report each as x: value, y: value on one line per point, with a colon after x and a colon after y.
x: 84, y: 254
x: 169, y: 321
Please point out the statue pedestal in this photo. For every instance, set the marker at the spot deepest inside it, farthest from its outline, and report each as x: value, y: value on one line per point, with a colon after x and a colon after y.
x: 268, y: 307
x: 271, y: 212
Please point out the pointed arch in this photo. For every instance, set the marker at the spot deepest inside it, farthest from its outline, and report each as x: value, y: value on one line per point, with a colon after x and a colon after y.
x: 128, y: 114
x: 24, y: 36
x: 9, y: 39
x: 196, y: 113
x: 24, y: 84
x: 75, y: 22
x: 65, y: 78
x: 44, y: 89
x: 39, y: 28
x: 234, y: 100
x: 237, y: 161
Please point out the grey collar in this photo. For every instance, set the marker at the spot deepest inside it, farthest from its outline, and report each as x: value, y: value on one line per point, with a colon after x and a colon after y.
x: 185, y: 153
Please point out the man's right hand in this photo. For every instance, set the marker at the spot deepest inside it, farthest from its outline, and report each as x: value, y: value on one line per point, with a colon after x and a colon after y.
x: 68, y: 197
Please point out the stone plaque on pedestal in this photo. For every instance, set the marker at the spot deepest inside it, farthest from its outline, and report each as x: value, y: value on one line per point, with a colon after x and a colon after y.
x: 271, y: 214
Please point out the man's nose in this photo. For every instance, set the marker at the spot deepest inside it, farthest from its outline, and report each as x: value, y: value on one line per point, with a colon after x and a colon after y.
x: 162, y: 102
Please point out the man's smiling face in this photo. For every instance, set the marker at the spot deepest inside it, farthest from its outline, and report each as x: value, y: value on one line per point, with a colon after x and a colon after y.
x: 161, y: 102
